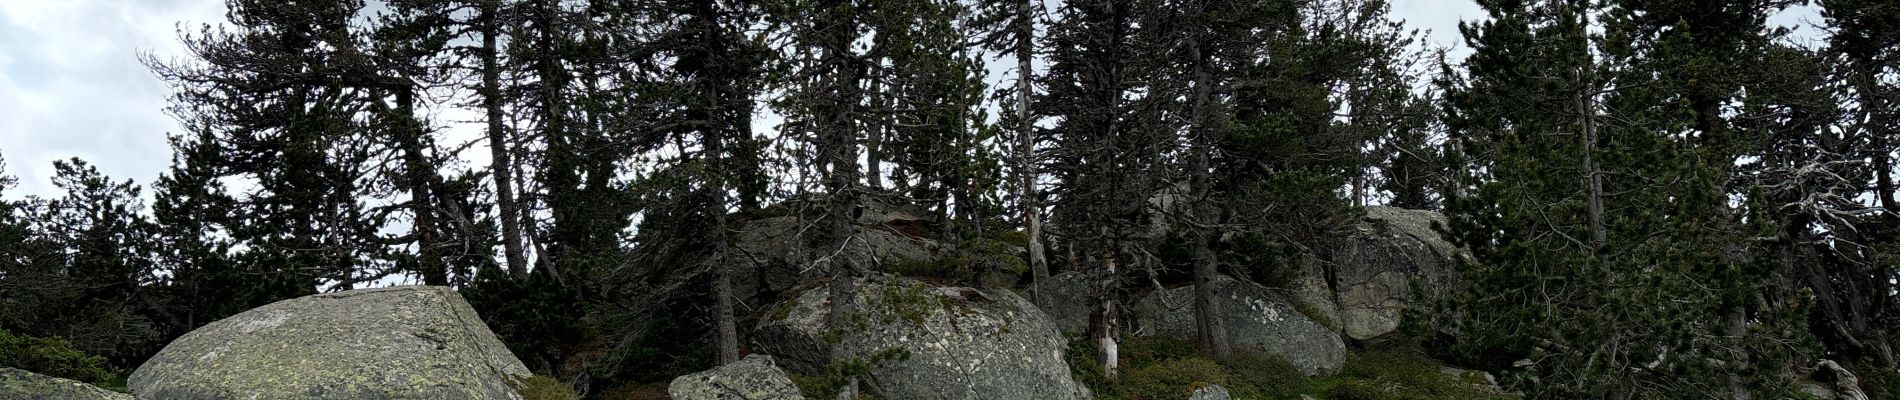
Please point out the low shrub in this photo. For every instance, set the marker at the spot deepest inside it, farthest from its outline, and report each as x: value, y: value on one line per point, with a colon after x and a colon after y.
x: 1171, y: 379
x: 55, y: 357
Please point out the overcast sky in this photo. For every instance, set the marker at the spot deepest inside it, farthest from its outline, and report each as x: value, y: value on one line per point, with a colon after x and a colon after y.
x: 71, y: 84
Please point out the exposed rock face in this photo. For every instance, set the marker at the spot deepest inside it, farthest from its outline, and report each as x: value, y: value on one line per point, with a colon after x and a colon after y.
x: 771, y: 257
x: 1258, y: 319
x: 1210, y: 392
x: 1367, y: 286
x: 757, y: 377
x: 1834, y: 382
x: 21, y: 385
x: 1069, y: 303
x: 413, y: 342
x: 926, y: 342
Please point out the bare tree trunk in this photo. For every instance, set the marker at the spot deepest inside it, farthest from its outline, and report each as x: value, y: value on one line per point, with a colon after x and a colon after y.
x: 1592, y: 179
x: 1105, y: 329
x: 1209, y: 327
x: 839, y: 141
x: 498, y: 145
x: 1027, y: 197
x: 874, y: 143
x: 1873, y: 125
x: 421, y: 200
x: 726, y: 333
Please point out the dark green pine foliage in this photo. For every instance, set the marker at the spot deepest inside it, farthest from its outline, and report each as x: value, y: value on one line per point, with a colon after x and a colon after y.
x: 1610, y: 260
x: 1282, y: 164
x: 1109, y: 146
x: 927, y: 112
x: 1850, y: 274
x: 294, y: 106
x: 705, y: 73
x: 192, y: 210
x: 82, y: 267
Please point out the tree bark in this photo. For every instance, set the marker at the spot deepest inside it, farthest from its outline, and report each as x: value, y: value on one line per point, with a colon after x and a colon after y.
x: 1105, y: 328
x: 499, y: 147
x: 839, y: 144
x: 1210, y: 328
x: 1027, y: 197
x: 1592, y: 179
x: 421, y: 200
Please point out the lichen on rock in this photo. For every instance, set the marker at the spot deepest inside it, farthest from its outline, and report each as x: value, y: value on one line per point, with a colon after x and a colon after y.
x: 757, y: 377
x: 22, y: 385
x: 920, y: 341
x: 1257, y: 318
x: 404, y: 342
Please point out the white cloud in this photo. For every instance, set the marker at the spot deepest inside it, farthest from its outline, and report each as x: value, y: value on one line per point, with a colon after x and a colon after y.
x: 71, y: 85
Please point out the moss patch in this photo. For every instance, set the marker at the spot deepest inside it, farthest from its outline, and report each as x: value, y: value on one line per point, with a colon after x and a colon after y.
x: 1398, y: 373
x: 831, y: 382
x: 544, y: 388
x: 1163, y: 368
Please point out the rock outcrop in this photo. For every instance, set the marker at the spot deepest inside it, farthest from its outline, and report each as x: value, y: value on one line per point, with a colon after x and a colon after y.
x: 418, y: 342
x: 1368, y: 284
x: 757, y: 377
x: 920, y: 341
x: 1210, y: 392
x: 770, y: 255
x: 21, y: 385
x: 1258, y: 319
x: 1069, y: 302
x: 1831, y: 381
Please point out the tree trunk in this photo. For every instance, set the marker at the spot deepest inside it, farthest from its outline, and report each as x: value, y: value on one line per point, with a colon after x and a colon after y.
x: 1592, y: 179
x: 1209, y: 327
x: 421, y: 201
x: 1104, y: 329
x: 498, y: 144
x: 1027, y: 197
x: 839, y: 144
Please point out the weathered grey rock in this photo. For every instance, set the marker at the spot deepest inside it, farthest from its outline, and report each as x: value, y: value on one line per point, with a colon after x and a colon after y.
x: 1480, y: 380
x: 1069, y: 302
x: 1838, y: 381
x: 1258, y: 319
x: 926, y: 342
x: 1210, y: 392
x: 757, y: 377
x: 21, y: 385
x: 412, y: 342
x: 1373, y: 269
x: 769, y: 256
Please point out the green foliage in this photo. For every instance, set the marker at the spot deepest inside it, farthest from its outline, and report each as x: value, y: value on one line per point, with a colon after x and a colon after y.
x: 1399, y: 373
x: 1165, y: 368
x: 544, y: 388
x: 537, y: 317
x: 910, y: 302
x: 972, y: 261
x: 1174, y: 378
x: 832, y: 381
x: 54, y: 357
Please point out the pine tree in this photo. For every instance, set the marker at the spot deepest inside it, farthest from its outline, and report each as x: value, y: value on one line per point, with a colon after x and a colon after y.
x: 1010, y: 27
x: 1603, y: 167
x: 1108, y: 147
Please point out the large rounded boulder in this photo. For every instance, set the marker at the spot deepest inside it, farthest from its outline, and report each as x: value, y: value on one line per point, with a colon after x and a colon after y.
x: 414, y: 342
x: 757, y: 377
x: 920, y: 341
x: 1390, y: 261
x: 21, y: 385
x: 1257, y: 320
